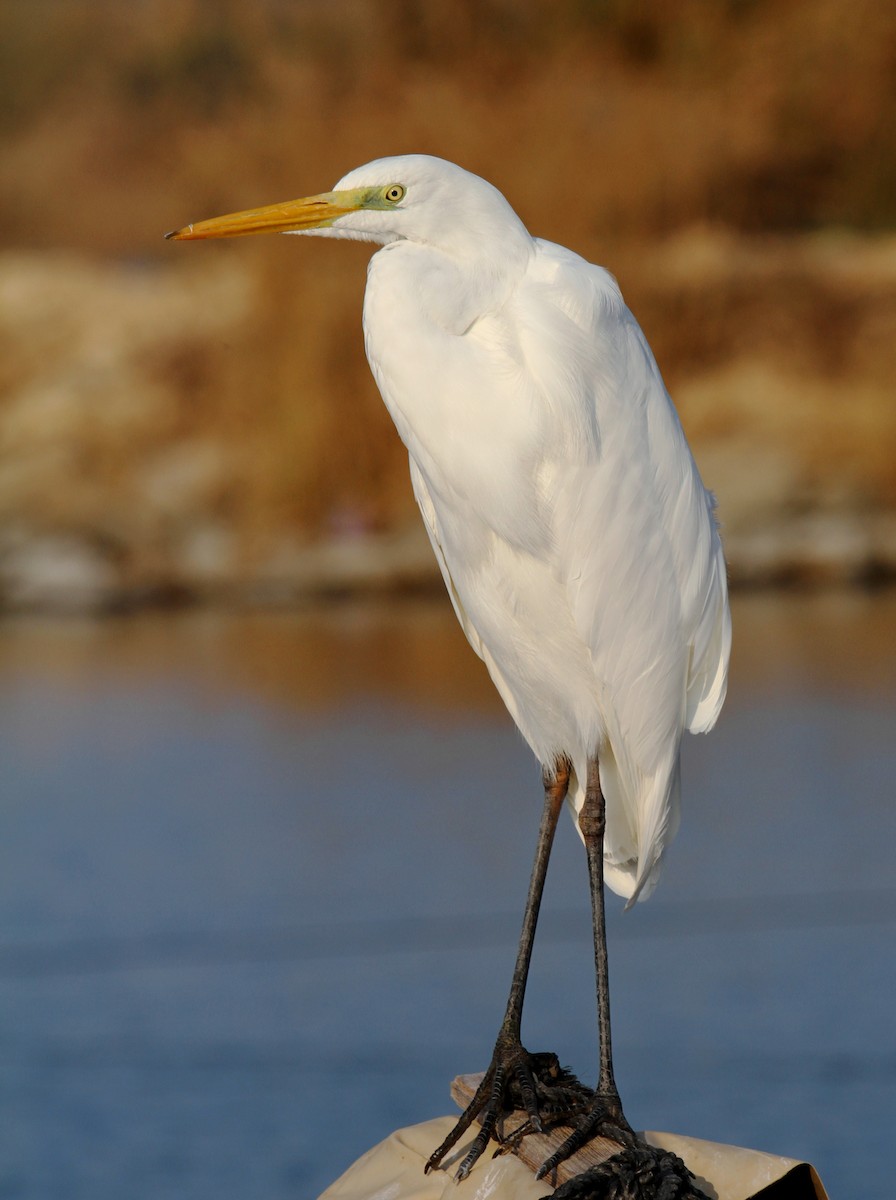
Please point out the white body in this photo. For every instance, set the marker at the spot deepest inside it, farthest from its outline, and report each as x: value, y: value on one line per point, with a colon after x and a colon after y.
x: 576, y: 539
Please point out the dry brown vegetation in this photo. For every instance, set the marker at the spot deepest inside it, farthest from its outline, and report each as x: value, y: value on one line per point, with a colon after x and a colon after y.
x: 173, y: 417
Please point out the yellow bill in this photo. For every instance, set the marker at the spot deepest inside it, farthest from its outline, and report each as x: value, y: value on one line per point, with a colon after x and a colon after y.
x: 312, y: 212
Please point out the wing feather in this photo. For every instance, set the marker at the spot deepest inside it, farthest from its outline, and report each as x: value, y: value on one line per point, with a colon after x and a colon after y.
x: 637, y: 547
x: 575, y: 537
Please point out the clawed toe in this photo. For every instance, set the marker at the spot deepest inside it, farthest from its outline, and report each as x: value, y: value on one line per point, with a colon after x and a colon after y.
x: 509, y: 1074
x: 636, y: 1171
x: 535, y: 1084
x: 603, y: 1118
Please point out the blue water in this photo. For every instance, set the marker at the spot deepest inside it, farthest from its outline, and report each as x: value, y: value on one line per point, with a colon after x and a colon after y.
x: 261, y: 880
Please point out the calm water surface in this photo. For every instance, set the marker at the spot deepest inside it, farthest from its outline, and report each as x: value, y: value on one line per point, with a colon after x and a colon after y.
x: 261, y: 879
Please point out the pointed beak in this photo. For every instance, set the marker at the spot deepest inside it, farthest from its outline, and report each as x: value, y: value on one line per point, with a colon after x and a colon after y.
x: 312, y: 212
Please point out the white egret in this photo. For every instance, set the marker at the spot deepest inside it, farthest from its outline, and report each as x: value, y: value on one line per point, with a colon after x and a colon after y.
x: 576, y: 539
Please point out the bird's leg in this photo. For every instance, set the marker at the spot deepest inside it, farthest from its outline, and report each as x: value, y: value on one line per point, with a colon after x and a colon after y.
x: 605, y: 1115
x: 639, y: 1171
x: 510, y: 1061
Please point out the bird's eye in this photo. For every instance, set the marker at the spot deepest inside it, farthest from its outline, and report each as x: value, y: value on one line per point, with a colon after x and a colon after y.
x: 394, y: 192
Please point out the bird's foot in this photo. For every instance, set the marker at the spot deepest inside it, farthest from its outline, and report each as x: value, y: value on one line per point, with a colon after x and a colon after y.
x: 638, y: 1171
x: 515, y: 1079
x: 603, y: 1118
x: 561, y: 1099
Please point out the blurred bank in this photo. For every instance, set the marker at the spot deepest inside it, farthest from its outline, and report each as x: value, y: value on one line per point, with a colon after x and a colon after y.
x: 198, y: 422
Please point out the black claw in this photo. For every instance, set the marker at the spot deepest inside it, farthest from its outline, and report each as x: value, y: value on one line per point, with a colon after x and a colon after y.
x: 565, y: 1150
x: 466, y: 1119
x: 481, y: 1140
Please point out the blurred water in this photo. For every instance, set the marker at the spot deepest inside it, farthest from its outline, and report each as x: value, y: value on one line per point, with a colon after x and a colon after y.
x: 261, y: 880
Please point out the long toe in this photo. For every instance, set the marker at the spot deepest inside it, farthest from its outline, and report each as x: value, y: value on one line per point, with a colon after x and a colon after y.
x: 603, y: 1119
x: 515, y: 1080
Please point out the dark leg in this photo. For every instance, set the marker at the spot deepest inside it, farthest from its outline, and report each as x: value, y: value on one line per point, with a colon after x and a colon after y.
x: 510, y: 1060
x: 639, y: 1171
x: 606, y: 1116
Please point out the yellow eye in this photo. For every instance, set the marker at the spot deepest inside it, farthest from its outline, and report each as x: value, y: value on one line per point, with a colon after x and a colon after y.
x: 393, y: 193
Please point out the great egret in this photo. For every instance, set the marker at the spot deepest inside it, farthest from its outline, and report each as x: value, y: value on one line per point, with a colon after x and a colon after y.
x: 576, y: 539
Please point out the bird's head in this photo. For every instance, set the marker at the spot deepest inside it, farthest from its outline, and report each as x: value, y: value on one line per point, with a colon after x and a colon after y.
x: 412, y: 197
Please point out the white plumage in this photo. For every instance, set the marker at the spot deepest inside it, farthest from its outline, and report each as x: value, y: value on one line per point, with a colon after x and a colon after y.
x: 576, y: 539
x: 574, y: 534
